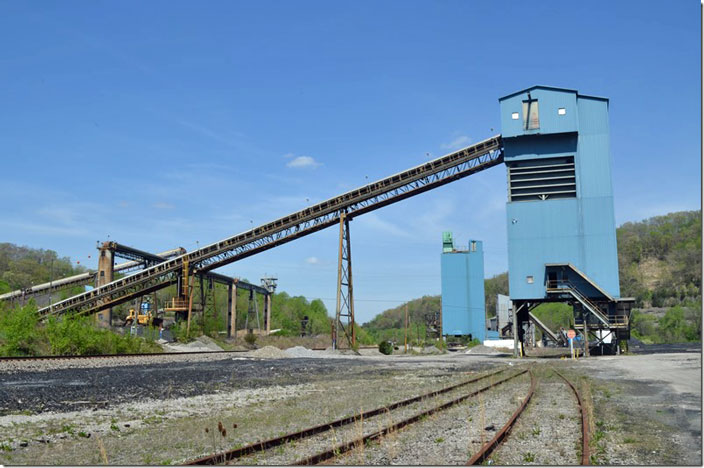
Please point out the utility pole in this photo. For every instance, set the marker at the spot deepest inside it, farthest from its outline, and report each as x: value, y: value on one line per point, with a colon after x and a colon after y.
x: 405, y: 337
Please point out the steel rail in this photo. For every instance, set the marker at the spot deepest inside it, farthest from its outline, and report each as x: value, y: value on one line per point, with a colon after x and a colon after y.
x: 346, y: 447
x: 585, y: 420
x: 229, y: 455
x: 419, y: 179
x: 487, y: 449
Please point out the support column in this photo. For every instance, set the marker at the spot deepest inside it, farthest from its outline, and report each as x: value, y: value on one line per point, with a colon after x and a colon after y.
x: 106, y: 273
x: 345, y: 299
x: 515, y: 330
x: 230, y: 288
x: 585, y: 317
x: 203, y: 302
x: 232, y: 312
x: 267, y: 313
x: 190, y: 309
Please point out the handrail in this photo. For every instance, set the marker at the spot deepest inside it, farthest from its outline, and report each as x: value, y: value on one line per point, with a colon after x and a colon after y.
x: 593, y: 308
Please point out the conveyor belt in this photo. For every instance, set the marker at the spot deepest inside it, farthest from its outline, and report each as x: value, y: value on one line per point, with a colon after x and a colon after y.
x: 419, y: 179
x: 84, y: 278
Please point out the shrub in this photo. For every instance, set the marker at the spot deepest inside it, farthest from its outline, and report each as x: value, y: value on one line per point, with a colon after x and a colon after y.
x: 250, y: 338
x: 178, y: 331
x: 385, y: 347
x: 474, y: 342
x: 19, y: 334
x: 78, y: 336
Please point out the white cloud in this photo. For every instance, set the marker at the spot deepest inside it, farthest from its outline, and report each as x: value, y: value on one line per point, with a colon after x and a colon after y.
x: 459, y: 142
x: 163, y: 206
x: 312, y: 260
x: 302, y: 162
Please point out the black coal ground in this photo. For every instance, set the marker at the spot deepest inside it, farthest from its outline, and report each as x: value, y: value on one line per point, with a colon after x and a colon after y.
x: 103, y: 387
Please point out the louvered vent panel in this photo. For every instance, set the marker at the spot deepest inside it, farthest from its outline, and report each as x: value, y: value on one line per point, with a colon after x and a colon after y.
x: 542, y: 179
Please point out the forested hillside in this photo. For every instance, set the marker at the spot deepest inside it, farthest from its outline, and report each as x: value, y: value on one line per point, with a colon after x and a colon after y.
x: 660, y: 259
x: 660, y: 262
x: 21, y: 267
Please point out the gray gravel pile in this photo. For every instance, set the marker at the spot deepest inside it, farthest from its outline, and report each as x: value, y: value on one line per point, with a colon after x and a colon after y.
x: 302, y: 352
x: 269, y: 352
x: 481, y: 349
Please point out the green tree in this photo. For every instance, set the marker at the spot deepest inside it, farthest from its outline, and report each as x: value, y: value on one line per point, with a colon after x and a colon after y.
x: 19, y: 332
x: 673, y: 326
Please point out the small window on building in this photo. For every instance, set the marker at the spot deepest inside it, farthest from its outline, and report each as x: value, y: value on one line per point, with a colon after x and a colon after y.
x: 514, y: 116
x: 529, y: 279
x: 531, y: 120
x: 561, y: 111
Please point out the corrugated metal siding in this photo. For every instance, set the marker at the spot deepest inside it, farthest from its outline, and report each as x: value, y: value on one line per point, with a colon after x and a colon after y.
x: 463, y: 293
x: 549, y: 101
x: 578, y: 230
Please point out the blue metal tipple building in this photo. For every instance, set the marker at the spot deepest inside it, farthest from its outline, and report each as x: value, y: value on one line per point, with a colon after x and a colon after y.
x: 560, y: 211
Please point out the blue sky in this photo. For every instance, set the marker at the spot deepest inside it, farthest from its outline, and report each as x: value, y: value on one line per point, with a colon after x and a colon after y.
x: 170, y: 123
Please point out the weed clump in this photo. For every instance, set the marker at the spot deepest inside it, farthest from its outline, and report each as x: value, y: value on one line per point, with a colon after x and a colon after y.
x: 250, y: 338
x: 385, y: 347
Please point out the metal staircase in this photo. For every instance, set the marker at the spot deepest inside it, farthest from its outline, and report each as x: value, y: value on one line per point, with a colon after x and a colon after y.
x: 562, y: 287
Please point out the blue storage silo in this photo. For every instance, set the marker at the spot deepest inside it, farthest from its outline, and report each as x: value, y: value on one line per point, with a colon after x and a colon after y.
x: 462, y: 274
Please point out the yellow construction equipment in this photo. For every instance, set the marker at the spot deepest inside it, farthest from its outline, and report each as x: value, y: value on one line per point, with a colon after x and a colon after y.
x: 144, y: 317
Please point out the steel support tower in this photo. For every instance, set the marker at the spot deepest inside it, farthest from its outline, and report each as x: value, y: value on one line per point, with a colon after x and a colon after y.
x: 345, y: 292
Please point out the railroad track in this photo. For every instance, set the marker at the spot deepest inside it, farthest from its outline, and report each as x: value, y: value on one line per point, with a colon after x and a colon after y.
x: 376, y: 417
x: 585, y: 420
x: 488, y: 449
x: 111, y: 356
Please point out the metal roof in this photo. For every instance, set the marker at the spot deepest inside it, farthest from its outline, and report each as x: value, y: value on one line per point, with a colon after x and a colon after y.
x: 553, y: 88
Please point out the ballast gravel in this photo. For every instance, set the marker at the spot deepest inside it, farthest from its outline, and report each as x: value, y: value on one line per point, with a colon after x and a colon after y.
x: 549, y: 432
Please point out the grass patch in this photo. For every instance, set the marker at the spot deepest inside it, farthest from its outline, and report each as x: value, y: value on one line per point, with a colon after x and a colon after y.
x: 22, y: 334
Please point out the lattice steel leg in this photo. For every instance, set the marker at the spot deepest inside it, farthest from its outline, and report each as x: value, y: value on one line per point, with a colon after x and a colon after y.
x: 345, y: 301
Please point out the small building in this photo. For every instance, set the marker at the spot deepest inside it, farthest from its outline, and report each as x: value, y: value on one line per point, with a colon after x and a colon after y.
x: 463, y: 310
x: 504, y: 314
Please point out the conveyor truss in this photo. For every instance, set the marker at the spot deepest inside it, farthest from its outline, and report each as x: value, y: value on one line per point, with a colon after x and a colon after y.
x: 411, y: 182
